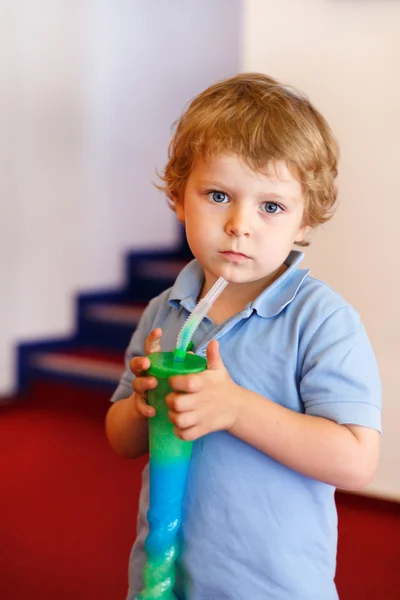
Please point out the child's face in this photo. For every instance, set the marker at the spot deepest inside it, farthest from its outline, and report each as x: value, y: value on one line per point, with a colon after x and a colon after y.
x: 241, y: 224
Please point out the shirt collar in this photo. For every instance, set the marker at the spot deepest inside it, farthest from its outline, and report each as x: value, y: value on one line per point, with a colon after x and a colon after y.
x: 283, y: 290
x: 269, y: 303
x: 187, y: 286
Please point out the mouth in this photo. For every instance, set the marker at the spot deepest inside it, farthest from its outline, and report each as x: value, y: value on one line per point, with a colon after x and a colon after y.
x: 235, y: 256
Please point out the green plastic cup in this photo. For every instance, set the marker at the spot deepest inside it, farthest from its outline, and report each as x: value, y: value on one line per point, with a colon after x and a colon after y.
x: 169, y: 462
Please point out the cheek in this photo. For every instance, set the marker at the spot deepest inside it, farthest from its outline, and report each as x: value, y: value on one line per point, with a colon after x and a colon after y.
x: 197, y: 224
x: 195, y: 235
x: 200, y: 237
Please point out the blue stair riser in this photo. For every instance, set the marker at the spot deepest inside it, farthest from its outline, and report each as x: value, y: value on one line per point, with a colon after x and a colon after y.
x: 36, y: 374
x: 110, y: 336
x: 148, y: 274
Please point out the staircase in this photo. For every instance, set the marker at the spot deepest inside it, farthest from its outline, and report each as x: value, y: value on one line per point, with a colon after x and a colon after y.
x: 105, y: 320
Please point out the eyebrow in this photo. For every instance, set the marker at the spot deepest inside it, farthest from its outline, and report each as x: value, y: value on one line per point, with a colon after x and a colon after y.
x: 269, y: 196
x: 211, y: 183
x: 266, y: 196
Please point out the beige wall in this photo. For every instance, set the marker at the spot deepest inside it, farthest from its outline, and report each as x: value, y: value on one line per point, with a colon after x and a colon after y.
x: 346, y: 56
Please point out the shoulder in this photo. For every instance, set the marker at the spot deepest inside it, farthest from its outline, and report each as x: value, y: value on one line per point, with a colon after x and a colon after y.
x: 333, y: 335
x: 184, y: 290
x: 154, y: 305
x: 318, y: 293
x: 339, y: 377
x: 161, y: 300
x: 157, y: 308
x: 153, y: 315
x: 316, y: 303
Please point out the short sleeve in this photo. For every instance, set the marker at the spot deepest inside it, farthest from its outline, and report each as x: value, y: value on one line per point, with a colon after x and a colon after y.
x: 135, y: 348
x: 340, y: 379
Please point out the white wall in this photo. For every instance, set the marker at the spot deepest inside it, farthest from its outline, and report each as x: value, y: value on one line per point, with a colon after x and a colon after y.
x: 89, y: 91
x: 345, y: 55
x: 146, y: 61
x: 41, y: 78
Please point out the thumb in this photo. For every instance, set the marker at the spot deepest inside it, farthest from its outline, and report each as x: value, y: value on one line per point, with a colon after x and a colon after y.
x: 214, y: 360
x: 152, y: 343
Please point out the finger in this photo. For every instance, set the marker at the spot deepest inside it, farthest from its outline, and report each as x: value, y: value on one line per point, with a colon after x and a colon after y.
x: 190, y: 434
x: 139, y: 364
x: 183, y: 420
x: 143, y: 408
x: 152, y: 343
x: 142, y: 384
x: 186, y: 383
x: 180, y: 402
x: 214, y: 360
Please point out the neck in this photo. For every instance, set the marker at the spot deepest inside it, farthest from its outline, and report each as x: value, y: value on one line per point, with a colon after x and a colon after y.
x: 236, y: 296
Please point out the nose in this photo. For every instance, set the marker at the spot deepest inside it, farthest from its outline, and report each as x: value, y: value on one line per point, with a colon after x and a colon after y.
x: 238, y: 222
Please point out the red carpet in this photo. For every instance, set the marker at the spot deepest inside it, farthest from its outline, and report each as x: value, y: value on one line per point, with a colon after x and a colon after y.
x: 68, y: 509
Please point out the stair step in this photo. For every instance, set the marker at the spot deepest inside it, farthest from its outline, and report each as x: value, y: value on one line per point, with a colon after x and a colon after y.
x: 160, y: 269
x: 105, y: 322
x: 122, y: 314
x: 81, y: 363
x: 150, y: 276
x: 108, y: 325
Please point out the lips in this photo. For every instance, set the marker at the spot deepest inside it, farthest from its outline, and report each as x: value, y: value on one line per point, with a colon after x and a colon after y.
x: 234, y: 255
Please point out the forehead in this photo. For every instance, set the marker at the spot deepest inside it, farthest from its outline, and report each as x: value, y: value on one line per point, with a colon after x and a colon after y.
x: 232, y: 170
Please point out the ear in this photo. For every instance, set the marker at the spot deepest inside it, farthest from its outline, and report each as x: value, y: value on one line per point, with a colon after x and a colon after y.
x: 302, y: 233
x: 179, y: 208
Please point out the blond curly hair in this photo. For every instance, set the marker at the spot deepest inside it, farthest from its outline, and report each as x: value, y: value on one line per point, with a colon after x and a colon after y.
x: 262, y: 121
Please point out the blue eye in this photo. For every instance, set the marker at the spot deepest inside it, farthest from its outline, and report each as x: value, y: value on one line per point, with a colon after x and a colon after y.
x: 219, y: 197
x: 271, y: 208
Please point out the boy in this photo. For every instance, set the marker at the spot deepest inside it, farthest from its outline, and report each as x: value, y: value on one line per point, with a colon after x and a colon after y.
x: 289, y: 407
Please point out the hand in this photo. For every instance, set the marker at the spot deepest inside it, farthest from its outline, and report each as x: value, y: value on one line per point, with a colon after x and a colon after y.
x: 209, y: 402
x: 142, y: 383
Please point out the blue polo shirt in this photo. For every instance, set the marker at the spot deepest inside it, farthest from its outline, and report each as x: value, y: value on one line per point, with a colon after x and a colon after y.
x: 253, y: 528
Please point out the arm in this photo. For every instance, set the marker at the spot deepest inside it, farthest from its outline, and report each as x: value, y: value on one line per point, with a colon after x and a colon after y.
x: 126, y: 419
x: 345, y: 456
x: 126, y: 429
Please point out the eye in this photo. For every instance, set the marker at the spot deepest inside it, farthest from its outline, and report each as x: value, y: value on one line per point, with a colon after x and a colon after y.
x: 218, y: 197
x: 271, y: 208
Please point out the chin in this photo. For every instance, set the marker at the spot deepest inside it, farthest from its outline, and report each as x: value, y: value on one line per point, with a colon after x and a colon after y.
x: 234, y: 275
